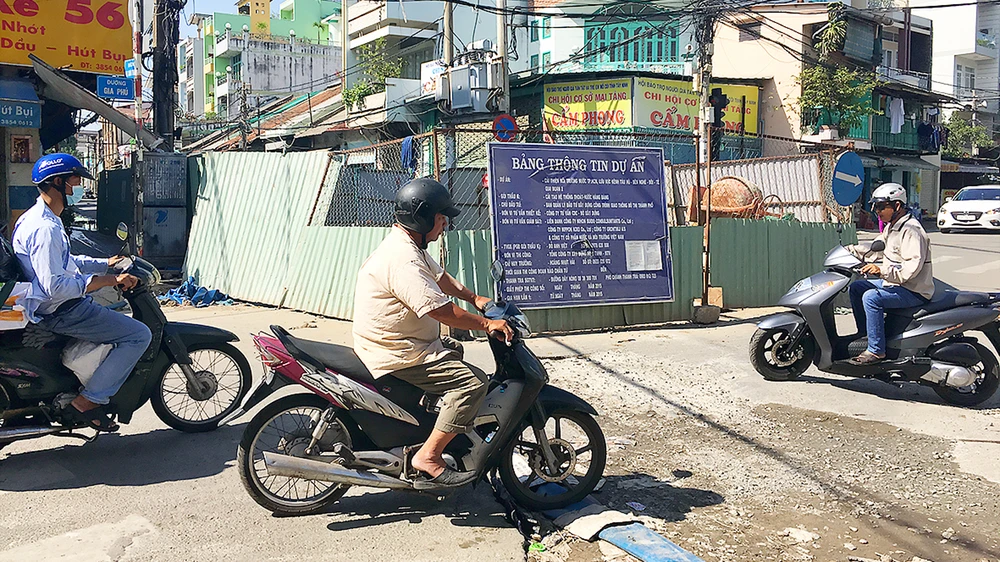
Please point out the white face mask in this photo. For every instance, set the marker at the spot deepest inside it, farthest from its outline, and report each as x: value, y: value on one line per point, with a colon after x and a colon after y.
x: 76, y: 197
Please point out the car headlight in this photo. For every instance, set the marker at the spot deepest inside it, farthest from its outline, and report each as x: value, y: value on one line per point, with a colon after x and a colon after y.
x: 993, y: 211
x: 943, y: 211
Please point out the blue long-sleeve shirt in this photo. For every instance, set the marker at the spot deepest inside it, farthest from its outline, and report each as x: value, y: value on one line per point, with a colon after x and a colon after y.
x: 42, y: 247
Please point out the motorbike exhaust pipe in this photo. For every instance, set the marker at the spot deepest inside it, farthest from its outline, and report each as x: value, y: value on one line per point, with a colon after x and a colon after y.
x: 295, y: 467
x: 20, y: 433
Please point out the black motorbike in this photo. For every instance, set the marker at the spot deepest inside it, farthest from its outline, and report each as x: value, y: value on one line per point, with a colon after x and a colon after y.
x: 302, y: 452
x: 927, y: 344
x: 192, y: 374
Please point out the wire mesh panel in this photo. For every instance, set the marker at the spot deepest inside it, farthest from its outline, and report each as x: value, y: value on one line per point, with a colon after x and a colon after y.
x: 363, y: 190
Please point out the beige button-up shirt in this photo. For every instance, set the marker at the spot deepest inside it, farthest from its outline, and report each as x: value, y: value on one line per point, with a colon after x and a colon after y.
x: 906, y: 260
x: 397, y: 288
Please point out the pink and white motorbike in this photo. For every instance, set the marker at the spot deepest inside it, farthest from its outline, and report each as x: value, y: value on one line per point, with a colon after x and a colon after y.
x: 302, y: 452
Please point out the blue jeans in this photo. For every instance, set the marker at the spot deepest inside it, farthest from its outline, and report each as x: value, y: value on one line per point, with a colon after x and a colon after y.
x: 94, y: 323
x: 869, y: 300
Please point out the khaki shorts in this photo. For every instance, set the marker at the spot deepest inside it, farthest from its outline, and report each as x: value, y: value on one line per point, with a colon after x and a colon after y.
x: 462, y: 387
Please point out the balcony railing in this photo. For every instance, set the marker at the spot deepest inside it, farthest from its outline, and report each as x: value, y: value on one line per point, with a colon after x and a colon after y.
x: 909, y: 77
x: 609, y: 66
x: 906, y: 139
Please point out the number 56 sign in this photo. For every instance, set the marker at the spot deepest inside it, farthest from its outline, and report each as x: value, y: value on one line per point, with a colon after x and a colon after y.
x: 88, y: 35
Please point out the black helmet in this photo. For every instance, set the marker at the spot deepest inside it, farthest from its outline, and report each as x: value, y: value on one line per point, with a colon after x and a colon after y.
x: 419, y: 201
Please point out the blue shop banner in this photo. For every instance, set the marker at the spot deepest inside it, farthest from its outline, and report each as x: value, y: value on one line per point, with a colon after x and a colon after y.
x: 19, y: 105
x: 580, y: 225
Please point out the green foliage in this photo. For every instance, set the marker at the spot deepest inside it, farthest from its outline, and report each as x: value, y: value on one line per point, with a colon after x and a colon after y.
x: 963, y: 135
x: 842, y: 92
x: 832, y: 37
x: 377, y: 67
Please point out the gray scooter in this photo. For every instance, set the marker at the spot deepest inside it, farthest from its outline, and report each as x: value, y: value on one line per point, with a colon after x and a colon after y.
x: 927, y: 344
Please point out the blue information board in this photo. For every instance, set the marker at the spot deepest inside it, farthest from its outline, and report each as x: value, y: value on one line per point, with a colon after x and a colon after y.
x: 580, y: 225
x: 115, y: 88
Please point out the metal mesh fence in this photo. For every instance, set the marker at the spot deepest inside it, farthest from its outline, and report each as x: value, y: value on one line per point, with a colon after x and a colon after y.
x: 360, y: 185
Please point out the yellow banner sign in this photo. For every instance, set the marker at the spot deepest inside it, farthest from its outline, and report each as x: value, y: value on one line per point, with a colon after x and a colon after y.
x: 592, y: 105
x: 86, y: 35
x: 673, y: 105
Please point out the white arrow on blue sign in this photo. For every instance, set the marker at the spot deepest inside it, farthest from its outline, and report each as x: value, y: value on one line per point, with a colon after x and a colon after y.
x: 115, y: 88
x: 848, y: 179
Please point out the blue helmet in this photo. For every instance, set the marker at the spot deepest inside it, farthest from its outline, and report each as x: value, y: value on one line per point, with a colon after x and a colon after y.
x: 58, y: 164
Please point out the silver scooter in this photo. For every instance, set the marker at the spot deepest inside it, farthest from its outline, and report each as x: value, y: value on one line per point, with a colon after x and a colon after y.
x: 926, y: 344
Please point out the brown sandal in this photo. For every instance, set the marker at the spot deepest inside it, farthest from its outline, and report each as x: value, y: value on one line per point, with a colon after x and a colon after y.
x: 96, y: 418
x: 867, y: 358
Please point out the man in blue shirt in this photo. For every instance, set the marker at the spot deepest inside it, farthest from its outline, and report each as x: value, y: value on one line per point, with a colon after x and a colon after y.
x: 58, y: 301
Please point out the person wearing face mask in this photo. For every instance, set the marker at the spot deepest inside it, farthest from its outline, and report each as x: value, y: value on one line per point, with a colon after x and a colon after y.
x: 57, y: 300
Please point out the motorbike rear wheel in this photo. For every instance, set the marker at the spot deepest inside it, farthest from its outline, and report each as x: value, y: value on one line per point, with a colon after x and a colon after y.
x: 227, y: 376
x: 775, y: 363
x: 580, y: 450
x: 983, y: 389
x: 285, y: 426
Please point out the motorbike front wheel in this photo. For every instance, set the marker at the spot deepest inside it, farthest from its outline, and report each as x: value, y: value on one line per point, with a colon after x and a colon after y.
x: 285, y: 427
x: 770, y: 356
x: 580, y: 451
x: 224, y: 375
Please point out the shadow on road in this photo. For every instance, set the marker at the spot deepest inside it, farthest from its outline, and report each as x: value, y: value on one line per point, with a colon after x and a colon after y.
x: 466, y: 507
x: 162, y: 455
x: 663, y: 500
x: 909, y: 392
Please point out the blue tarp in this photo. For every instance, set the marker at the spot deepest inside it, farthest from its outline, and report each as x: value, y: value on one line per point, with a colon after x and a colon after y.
x: 197, y: 295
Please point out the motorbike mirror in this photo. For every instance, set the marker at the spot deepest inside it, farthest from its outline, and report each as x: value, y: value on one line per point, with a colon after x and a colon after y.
x: 122, y: 231
x: 496, y: 271
x: 878, y: 246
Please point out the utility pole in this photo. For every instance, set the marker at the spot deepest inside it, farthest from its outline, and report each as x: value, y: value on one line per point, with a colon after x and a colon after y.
x: 166, y: 34
x: 135, y: 236
x: 449, y: 34
x: 504, y: 103
x: 705, y: 35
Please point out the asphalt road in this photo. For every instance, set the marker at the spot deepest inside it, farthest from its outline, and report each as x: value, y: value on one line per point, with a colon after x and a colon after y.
x: 968, y: 261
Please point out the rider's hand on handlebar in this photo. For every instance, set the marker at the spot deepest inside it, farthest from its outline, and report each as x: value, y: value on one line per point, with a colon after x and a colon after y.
x: 126, y: 282
x: 871, y: 269
x: 497, y: 327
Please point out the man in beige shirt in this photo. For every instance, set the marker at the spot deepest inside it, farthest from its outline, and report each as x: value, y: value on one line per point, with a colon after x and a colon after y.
x: 402, y: 298
x: 905, y: 278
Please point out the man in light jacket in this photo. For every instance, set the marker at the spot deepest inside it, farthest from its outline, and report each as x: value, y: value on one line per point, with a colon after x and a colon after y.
x: 904, y: 279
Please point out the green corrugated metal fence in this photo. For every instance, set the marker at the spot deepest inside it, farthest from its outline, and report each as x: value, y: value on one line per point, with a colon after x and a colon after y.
x: 470, y: 254
x: 756, y: 262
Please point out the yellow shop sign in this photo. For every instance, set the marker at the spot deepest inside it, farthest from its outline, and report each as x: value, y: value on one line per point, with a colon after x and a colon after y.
x: 86, y: 35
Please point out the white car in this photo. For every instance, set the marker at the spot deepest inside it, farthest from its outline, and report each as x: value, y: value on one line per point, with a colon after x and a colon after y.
x: 973, y: 207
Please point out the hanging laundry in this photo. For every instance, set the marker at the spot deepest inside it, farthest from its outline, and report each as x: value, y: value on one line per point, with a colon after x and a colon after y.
x: 408, y: 155
x: 896, y: 115
x: 925, y: 133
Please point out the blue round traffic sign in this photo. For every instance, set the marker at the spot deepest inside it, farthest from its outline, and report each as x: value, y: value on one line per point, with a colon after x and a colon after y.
x: 848, y: 179
x: 504, y: 128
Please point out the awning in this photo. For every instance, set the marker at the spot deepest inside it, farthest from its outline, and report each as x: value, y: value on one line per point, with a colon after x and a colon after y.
x: 62, y: 89
x: 868, y: 162
x: 958, y: 167
x: 906, y: 162
x: 19, y: 105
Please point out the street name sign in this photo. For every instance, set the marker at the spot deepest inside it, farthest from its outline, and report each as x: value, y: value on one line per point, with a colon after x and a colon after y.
x: 115, y: 88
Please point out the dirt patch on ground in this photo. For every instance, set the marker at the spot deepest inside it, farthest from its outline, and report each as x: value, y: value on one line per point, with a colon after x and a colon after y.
x: 730, y: 481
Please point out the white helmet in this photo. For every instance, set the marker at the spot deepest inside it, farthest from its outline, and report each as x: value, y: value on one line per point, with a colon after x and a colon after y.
x: 888, y: 192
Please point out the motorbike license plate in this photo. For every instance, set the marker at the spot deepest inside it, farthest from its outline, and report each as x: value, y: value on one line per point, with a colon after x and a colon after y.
x: 965, y: 217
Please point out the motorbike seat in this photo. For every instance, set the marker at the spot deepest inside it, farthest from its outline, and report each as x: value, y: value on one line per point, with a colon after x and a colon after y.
x: 339, y: 358
x: 944, y: 300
